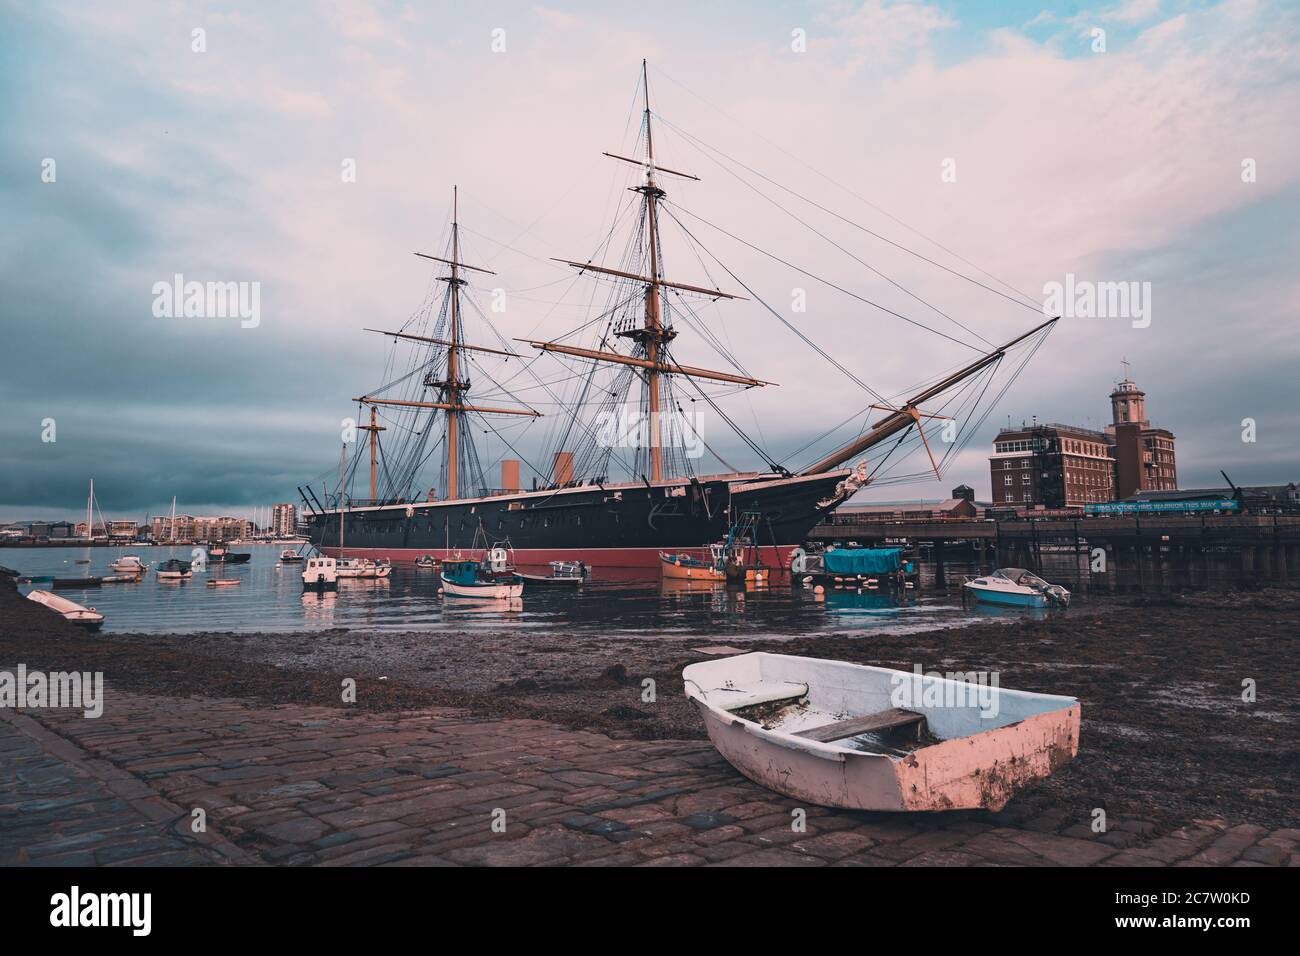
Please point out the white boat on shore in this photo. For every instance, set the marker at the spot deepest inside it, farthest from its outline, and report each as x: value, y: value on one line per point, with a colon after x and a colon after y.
x: 71, y: 611
x: 834, y: 733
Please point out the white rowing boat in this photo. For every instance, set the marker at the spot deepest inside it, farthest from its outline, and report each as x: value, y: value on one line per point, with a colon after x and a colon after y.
x: 71, y: 611
x: 834, y: 733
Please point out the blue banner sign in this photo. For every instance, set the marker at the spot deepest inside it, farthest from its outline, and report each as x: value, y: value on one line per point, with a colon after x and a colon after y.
x: 1177, y: 507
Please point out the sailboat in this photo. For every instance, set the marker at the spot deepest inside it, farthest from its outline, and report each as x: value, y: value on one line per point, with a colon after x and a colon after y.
x: 577, y: 512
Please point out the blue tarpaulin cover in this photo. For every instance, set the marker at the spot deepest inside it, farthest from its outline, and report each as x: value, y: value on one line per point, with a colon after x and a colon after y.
x: 861, y: 560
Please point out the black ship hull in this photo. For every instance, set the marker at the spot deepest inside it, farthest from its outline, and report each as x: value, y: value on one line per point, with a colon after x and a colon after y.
x: 610, y: 526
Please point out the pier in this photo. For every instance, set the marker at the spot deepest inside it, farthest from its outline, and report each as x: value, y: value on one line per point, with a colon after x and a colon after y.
x: 1149, y: 548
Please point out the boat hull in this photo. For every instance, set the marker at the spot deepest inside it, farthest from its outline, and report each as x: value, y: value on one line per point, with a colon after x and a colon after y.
x: 980, y: 770
x: 486, y: 592
x: 1007, y: 598
x: 614, y: 526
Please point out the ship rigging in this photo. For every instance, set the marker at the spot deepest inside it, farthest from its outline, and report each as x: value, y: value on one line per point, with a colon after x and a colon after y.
x: 623, y: 486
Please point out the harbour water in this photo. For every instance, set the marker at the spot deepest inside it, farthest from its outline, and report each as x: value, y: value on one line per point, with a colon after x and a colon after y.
x: 270, y: 598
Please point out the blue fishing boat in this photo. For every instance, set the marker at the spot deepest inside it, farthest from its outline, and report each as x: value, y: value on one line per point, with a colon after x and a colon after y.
x: 491, y: 577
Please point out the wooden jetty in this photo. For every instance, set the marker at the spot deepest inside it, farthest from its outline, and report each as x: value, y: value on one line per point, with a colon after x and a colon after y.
x: 1262, y: 548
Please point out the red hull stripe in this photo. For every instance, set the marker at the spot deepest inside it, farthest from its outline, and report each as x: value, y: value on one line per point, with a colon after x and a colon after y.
x: 771, y: 555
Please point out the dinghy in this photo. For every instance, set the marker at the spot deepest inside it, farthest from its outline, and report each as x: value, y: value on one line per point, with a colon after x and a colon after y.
x: 873, y: 738
x: 290, y: 556
x: 1016, y: 587
x: 71, y: 611
x: 224, y: 582
x: 427, y: 562
x: 563, y: 574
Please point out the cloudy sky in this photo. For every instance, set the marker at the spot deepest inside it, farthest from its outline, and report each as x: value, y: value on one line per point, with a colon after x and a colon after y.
x: 134, y: 149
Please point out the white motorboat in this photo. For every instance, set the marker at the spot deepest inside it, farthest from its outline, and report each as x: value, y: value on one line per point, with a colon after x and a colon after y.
x: 129, y: 564
x: 290, y: 556
x: 364, y: 568
x: 563, y: 574
x: 71, y: 611
x: 1016, y: 587
x: 320, y: 574
x: 873, y: 738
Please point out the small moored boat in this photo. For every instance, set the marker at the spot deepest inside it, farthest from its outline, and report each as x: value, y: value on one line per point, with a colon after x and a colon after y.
x: 320, y: 574
x: 224, y: 582
x: 364, y: 568
x: 71, y: 611
x: 563, y: 574
x: 853, y: 569
x: 174, y: 569
x: 290, y: 556
x: 1016, y: 587
x: 129, y: 564
x: 223, y: 555
x: 86, y: 582
x: 427, y: 562
x: 491, y: 578
x: 873, y: 738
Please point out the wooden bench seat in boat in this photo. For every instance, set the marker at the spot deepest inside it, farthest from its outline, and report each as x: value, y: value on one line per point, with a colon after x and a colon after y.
x: 892, y: 719
x: 782, y: 691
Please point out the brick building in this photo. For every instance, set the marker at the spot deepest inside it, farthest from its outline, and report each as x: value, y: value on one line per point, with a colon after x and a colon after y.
x: 1053, y: 465
x: 1144, y: 456
x: 1065, y: 466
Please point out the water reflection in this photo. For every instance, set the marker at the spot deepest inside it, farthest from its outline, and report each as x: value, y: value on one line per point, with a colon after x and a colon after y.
x: 614, y: 602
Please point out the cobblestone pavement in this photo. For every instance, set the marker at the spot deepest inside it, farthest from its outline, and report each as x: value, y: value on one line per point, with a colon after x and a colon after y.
x: 314, y: 785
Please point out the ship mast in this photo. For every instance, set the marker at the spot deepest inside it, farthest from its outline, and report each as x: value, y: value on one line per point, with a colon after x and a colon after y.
x: 652, y: 334
x: 374, y: 428
x: 452, y: 390
x: 453, y: 387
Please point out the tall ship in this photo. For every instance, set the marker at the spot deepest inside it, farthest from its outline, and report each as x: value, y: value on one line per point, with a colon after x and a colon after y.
x: 625, y: 478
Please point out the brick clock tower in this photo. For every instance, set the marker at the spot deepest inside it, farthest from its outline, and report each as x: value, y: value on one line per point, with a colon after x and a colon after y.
x: 1144, y: 456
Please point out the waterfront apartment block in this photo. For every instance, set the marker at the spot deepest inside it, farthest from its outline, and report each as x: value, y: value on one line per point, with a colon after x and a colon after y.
x: 284, y: 520
x: 200, y: 528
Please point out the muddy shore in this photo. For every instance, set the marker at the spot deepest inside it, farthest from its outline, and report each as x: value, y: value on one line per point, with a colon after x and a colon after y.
x: 1166, y: 735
